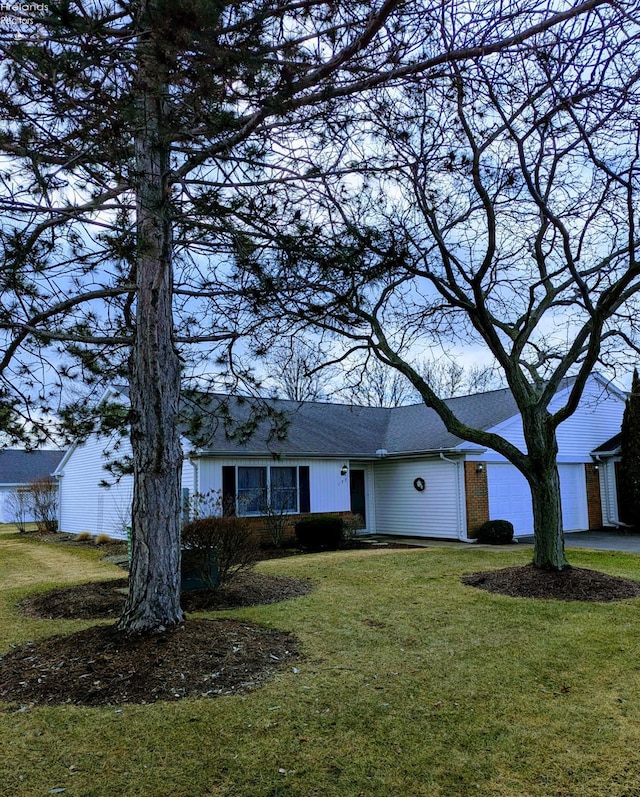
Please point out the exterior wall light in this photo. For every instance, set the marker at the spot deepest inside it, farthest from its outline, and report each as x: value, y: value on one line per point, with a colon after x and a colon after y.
x: 480, y: 467
x: 344, y: 470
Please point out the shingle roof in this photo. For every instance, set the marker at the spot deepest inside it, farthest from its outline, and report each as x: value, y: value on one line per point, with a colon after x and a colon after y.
x: 419, y: 428
x: 610, y: 446
x: 314, y: 428
x: 323, y: 429
x: 21, y: 467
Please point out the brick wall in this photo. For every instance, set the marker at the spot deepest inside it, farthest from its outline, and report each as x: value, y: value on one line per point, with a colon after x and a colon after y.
x: 260, y: 527
x: 594, y: 503
x: 477, y: 496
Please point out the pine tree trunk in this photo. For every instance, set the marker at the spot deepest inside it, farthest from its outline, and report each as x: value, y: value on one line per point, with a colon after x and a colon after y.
x: 153, y: 603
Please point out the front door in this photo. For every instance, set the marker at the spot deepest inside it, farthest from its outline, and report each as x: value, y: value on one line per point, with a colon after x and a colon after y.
x: 358, y: 499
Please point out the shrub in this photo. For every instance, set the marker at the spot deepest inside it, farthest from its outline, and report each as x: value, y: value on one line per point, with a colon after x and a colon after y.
x: 103, y: 539
x: 19, y: 507
x: 351, y: 524
x: 226, y: 541
x: 496, y: 532
x: 44, y: 493
x: 84, y: 536
x: 320, y: 533
x: 276, y: 521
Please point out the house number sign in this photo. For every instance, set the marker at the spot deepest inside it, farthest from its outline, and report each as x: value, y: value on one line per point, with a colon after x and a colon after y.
x: 419, y: 484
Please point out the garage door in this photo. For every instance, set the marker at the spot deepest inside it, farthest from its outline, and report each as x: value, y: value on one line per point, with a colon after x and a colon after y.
x: 573, y: 485
x: 510, y: 497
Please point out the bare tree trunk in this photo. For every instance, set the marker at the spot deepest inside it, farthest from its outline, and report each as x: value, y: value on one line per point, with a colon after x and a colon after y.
x: 153, y: 603
x: 544, y: 481
x: 548, y: 549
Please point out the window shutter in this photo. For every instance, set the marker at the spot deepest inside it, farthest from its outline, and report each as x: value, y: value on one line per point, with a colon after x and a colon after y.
x: 303, y: 481
x: 228, y: 490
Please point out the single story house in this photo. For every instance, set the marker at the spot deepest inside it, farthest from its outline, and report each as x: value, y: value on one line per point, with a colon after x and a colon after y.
x: 399, y: 468
x: 18, y: 469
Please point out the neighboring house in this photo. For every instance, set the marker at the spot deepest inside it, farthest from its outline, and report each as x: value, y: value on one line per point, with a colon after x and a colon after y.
x: 398, y: 468
x: 19, y: 468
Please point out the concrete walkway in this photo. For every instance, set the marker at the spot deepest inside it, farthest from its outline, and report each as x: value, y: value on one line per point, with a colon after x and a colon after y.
x: 597, y: 540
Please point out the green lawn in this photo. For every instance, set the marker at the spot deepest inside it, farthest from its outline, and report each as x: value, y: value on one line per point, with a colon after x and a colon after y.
x: 410, y: 684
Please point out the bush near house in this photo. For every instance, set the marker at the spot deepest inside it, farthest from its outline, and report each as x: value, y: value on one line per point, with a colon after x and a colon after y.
x: 44, y: 497
x: 219, y: 547
x: 18, y: 507
x: 495, y: 532
x: 351, y: 525
x: 320, y: 533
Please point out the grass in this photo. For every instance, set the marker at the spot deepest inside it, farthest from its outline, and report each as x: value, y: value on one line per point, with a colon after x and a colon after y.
x: 410, y: 684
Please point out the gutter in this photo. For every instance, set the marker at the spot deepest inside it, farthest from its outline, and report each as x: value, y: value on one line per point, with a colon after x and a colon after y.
x: 275, y: 455
x: 433, y: 453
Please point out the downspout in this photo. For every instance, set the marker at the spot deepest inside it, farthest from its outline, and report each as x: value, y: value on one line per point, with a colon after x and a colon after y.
x: 57, y: 477
x: 196, y: 483
x: 462, y: 513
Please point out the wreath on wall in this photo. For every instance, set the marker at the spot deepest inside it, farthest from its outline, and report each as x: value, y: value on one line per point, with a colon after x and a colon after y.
x: 419, y: 484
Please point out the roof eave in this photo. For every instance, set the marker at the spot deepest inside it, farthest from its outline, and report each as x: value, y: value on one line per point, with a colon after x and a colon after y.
x: 459, y: 453
x: 276, y: 455
x: 614, y: 452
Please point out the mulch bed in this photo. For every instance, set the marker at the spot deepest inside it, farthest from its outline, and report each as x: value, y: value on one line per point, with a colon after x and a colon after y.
x: 105, y: 599
x: 99, y: 666
x: 571, y: 584
x: 107, y: 545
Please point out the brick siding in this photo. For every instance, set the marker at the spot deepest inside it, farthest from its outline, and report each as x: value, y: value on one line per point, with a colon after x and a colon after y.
x: 477, y: 497
x: 594, y: 502
x: 259, y: 526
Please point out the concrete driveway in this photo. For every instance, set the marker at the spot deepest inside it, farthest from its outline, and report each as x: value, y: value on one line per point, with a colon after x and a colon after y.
x: 598, y: 540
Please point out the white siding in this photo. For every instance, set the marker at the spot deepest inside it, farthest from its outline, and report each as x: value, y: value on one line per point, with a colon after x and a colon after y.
x: 608, y: 491
x: 329, y: 491
x: 403, y: 510
x: 4, y: 516
x: 82, y: 499
x: 87, y: 506
x: 597, y: 419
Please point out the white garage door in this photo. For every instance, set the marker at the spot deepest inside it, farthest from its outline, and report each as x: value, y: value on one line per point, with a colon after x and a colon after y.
x: 510, y: 497
x: 573, y: 485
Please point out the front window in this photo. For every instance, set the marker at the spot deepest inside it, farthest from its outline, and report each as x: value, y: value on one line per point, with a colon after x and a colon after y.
x: 252, y: 491
x: 259, y: 488
x: 284, y: 489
